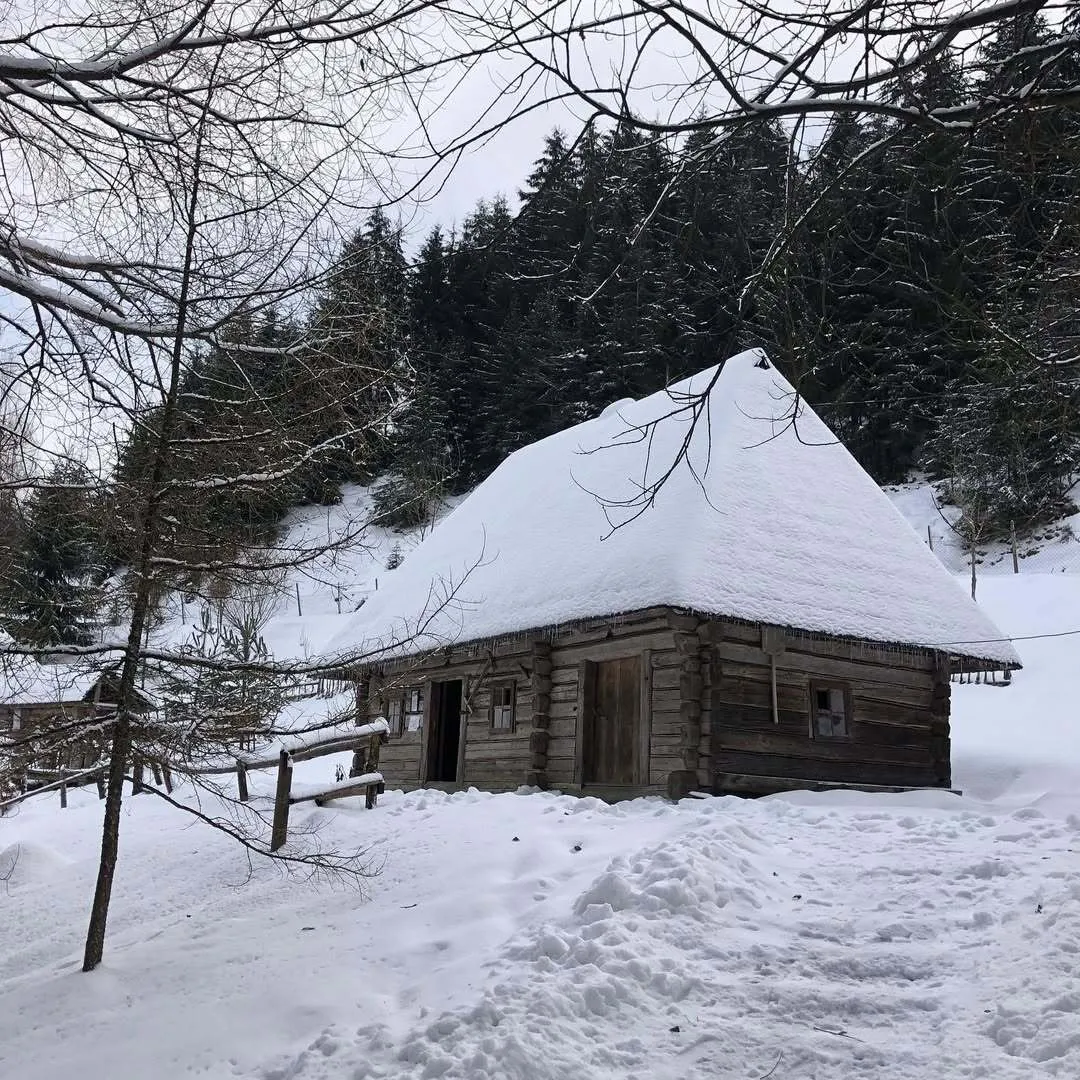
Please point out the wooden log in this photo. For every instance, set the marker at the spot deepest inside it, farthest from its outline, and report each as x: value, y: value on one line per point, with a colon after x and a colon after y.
x: 155, y: 769
x: 916, y: 752
x: 166, y: 775
x: 137, y: 784
x: 241, y: 781
x: 820, y: 769
x: 361, y: 785
x: 280, y: 830
x: 374, y: 749
x: 754, y: 784
x: 826, y: 667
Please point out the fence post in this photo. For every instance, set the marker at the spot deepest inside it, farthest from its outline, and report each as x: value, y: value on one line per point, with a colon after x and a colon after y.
x: 280, y: 832
x: 372, y: 765
x: 166, y: 775
x: 973, y: 570
x: 299, y: 609
x: 241, y: 781
x: 1012, y: 537
x: 63, y: 792
x: 100, y: 781
x: 136, y: 776
x: 929, y: 537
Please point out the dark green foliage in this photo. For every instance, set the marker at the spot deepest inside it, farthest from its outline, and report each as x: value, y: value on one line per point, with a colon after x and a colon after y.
x: 54, y: 588
x: 405, y: 501
x: 910, y: 258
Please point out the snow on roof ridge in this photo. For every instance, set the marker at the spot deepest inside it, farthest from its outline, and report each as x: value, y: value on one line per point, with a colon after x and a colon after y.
x: 768, y: 519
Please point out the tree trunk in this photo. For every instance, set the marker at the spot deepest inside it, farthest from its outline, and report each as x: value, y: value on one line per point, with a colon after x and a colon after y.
x: 110, y: 842
x: 142, y: 599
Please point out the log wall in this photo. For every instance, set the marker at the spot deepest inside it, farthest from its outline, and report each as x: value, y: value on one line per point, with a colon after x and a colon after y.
x: 898, y: 732
x: 707, y: 707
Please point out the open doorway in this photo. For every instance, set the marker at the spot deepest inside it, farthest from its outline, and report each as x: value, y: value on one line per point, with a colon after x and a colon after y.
x: 444, y: 738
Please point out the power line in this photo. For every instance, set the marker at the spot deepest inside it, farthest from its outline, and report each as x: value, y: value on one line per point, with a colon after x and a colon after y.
x: 994, y: 640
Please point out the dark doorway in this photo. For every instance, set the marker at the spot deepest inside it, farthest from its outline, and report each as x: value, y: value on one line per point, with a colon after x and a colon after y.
x: 612, y: 721
x: 444, y: 738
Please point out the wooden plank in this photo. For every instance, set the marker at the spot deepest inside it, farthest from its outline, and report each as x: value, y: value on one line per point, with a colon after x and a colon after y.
x: 790, y: 696
x: 613, y: 649
x: 585, y: 685
x: 612, y: 723
x: 750, y: 633
x: 643, y: 753
x: 463, y: 735
x: 425, y: 731
x: 751, y: 784
x: 280, y: 830
x: 799, y: 767
x: 825, y: 667
x: 565, y: 710
x: 563, y: 693
x: 666, y: 678
x: 360, y: 786
x: 775, y: 742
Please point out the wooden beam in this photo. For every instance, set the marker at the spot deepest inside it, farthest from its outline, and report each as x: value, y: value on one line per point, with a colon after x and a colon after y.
x: 586, y: 675
x: 644, y: 745
x: 280, y: 831
x: 360, y: 785
x: 752, y: 784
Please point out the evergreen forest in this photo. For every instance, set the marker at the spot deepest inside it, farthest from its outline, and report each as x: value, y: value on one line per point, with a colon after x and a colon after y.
x: 920, y: 289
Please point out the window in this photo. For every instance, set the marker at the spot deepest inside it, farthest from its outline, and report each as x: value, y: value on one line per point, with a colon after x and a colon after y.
x: 395, y: 715
x: 503, y: 697
x: 830, y: 711
x: 405, y: 711
x: 414, y: 709
x: 16, y: 720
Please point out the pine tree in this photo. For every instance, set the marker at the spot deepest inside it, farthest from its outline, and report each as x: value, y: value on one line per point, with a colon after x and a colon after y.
x: 55, y: 588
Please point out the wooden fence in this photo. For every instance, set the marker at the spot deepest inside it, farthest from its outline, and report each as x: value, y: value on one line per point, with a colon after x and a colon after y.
x: 368, y: 737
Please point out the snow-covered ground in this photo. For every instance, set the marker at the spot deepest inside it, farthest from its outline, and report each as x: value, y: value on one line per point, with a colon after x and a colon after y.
x: 537, y: 936
x: 1051, y: 550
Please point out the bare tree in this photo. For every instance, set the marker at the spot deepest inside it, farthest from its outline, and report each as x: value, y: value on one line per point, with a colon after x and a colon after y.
x: 168, y: 172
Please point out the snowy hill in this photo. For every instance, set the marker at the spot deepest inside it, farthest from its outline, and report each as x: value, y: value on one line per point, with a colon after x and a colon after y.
x: 1054, y: 549
x: 540, y: 937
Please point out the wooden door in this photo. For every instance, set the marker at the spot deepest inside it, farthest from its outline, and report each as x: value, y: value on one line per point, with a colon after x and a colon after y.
x: 612, y: 722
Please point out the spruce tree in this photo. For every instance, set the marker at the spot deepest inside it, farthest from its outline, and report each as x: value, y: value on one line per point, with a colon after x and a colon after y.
x: 55, y: 588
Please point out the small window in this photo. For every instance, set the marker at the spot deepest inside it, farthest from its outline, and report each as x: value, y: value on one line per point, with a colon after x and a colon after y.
x: 503, y: 697
x: 830, y: 711
x: 395, y: 715
x: 405, y: 711
x: 414, y: 709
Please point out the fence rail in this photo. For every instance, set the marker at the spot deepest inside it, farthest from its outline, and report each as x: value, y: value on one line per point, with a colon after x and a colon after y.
x: 1047, y: 554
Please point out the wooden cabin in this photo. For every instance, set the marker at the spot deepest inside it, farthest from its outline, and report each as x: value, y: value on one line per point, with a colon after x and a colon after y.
x: 57, y: 702
x: 767, y: 622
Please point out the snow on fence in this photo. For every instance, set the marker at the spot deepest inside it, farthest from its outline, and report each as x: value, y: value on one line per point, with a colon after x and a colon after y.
x: 39, y: 781
x: 304, y: 746
x: 45, y: 780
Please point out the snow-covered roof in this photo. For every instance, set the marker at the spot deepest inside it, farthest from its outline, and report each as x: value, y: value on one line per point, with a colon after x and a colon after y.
x: 768, y: 518
x: 24, y: 681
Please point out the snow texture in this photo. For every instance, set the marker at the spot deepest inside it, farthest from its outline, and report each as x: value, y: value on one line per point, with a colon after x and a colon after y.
x: 24, y: 681
x: 767, y: 519
x: 536, y: 936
